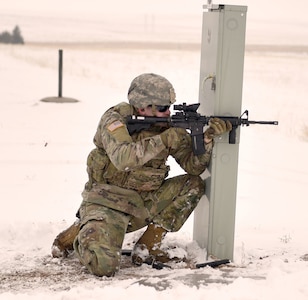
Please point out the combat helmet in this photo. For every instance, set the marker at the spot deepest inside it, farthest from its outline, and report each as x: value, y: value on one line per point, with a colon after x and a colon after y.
x: 148, y: 89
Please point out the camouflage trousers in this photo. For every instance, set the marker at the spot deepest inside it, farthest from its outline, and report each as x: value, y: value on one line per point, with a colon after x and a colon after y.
x: 99, y: 242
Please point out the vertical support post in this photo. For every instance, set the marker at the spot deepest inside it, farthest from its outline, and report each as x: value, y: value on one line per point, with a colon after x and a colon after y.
x: 220, y: 93
x: 60, y: 73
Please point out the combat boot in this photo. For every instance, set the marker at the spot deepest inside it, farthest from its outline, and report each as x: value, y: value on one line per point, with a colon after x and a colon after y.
x: 147, y: 248
x: 63, y: 243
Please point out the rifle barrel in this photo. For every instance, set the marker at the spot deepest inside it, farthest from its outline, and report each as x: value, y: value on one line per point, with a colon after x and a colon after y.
x: 263, y: 122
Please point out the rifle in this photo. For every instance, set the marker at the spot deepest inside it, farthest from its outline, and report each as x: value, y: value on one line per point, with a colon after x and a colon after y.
x: 187, y: 117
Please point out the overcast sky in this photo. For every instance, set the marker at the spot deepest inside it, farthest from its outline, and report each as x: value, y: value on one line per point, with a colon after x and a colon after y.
x: 258, y: 9
x: 268, y: 21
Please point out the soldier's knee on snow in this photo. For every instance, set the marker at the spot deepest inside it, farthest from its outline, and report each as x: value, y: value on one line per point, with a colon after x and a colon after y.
x: 94, y: 251
x: 101, y: 262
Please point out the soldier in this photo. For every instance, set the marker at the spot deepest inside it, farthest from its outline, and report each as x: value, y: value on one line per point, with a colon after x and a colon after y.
x: 128, y: 186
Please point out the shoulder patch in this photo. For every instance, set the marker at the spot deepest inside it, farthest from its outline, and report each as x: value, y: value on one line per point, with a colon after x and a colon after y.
x: 115, y: 125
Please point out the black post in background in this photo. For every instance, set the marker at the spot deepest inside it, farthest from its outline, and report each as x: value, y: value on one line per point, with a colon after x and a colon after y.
x: 60, y: 72
x: 60, y: 99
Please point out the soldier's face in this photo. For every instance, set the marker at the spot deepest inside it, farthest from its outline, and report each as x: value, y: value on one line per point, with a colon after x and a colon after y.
x: 152, y: 111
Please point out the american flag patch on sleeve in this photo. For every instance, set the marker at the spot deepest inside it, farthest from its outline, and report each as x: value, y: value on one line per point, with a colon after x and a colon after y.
x: 115, y: 125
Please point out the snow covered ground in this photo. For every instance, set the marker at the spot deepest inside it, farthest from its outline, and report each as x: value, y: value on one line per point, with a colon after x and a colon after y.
x: 44, y: 148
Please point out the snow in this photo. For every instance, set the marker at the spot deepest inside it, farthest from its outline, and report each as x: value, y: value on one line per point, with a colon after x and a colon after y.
x: 44, y: 148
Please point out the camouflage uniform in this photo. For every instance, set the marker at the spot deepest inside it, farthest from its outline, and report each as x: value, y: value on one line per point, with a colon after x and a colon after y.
x: 128, y: 189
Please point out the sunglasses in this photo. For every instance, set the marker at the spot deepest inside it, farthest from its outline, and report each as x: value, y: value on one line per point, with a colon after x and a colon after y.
x: 162, y: 108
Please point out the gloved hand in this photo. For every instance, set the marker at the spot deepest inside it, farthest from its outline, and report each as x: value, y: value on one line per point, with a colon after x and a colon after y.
x: 171, y: 137
x: 216, y: 128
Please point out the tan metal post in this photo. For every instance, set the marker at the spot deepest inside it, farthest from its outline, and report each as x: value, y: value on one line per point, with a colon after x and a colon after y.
x: 221, y: 80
